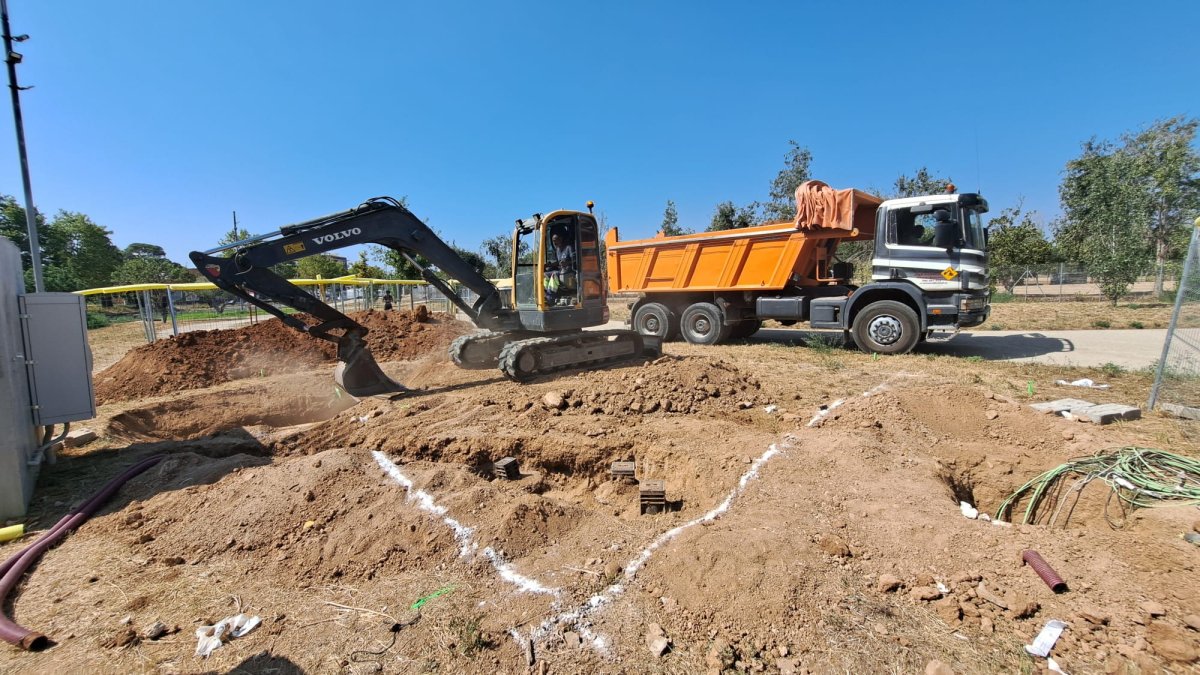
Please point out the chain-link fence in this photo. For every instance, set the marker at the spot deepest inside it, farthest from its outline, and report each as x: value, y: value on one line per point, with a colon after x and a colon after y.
x: 1071, y: 280
x: 1177, y: 381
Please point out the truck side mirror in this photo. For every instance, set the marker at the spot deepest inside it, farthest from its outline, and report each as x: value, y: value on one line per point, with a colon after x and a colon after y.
x: 945, y: 234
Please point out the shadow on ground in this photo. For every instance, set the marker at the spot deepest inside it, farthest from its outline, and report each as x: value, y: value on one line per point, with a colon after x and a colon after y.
x: 988, y: 347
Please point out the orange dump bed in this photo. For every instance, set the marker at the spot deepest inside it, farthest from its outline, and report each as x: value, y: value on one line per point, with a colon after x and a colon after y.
x: 766, y: 257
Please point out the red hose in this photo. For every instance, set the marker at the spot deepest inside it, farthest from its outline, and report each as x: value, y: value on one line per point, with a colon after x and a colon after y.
x: 1044, y: 570
x: 13, y: 569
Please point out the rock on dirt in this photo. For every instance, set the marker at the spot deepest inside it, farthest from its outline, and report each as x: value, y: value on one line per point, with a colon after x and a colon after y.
x: 834, y: 545
x: 656, y: 640
x: 1192, y: 621
x: 888, y: 583
x: 1153, y: 609
x: 925, y: 593
x: 720, y: 655
x: 554, y: 400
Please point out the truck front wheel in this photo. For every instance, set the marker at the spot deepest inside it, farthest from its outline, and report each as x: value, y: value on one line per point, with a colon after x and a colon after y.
x: 703, y: 324
x: 886, y: 327
x: 653, y: 319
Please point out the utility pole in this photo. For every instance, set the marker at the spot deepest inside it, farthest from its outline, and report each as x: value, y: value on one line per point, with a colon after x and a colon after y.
x: 12, y: 58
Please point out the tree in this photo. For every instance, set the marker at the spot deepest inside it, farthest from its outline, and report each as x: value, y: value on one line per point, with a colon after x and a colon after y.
x: 1169, y: 167
x: 1105, y: 220
x: 87, y: 253
x: 139, y: 250
x: 920, y: 183
x: 728, y: 217
x: 150, y: 271
x: 1014, y: 243
x: 320, y: 265
x: 497, y: 251
x: 13, y: 226
x: 235, y: 234
x: 365, y: 269
x: 670, y: 224
x: 782, y: 205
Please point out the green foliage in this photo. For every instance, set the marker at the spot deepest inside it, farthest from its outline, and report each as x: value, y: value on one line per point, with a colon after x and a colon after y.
x: 148, y: 271
x: 324, y: 266
x: 363, y: 268
x: 140, y: 250
x: 782, y: 204
x: 1105, y: 220
x: 13, y: 226
x: 1169, y: 172
x: 1014, y: 243
x: 497, y: 251
x: 1112, y: 370
x: 670, y: 223
x: 920, y: 183
x: 1137, y: 325
x: 234, y: 234
x: 728, y: 217
x: 1101, y: 323
x: 96, y: 320
x: 88, y: 254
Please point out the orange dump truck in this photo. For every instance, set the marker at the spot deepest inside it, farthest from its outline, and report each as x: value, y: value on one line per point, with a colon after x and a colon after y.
x: 929, y: 272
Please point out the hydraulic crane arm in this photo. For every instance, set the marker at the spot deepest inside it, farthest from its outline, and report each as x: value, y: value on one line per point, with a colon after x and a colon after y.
x: 382, y: 220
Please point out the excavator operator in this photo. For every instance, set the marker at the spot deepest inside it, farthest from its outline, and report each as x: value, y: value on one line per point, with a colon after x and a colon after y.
x: 560, y: 273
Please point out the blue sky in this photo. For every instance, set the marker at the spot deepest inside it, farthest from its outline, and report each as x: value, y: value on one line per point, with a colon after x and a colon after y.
x: 158, y: 119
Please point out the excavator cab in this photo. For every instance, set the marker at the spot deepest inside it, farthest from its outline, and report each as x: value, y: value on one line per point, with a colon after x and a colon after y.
x: 557, y: 268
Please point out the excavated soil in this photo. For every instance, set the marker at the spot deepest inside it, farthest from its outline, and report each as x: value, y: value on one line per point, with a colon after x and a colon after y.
x: 812, y: 524
x: 201, y: 359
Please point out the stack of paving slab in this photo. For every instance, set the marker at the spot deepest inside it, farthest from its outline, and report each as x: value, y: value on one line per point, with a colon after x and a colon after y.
x: 1103, y: 413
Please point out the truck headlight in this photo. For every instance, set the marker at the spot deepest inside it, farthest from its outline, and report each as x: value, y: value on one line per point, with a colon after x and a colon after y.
x: 972, y: 304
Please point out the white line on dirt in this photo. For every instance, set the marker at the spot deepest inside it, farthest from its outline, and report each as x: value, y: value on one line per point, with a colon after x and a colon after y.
x: 462, y: 534
x: 577, y: 616
x: 825, y: 411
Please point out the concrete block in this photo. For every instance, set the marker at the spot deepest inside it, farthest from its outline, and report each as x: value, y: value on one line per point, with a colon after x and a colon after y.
x: 1061, y: 405
x: 78, y: 437
x: 1108, y: 413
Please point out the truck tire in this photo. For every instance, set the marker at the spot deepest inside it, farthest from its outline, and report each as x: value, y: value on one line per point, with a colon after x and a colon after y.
x: 653, y: 319
x: 703, y: 323
x: 886, y: 327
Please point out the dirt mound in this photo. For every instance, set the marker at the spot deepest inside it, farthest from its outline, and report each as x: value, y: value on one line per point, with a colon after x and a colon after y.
x: 200, y: 359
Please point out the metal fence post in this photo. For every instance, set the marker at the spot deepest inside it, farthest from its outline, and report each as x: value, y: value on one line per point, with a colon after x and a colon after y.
x: 171, y: 307
x: 1162, y: 361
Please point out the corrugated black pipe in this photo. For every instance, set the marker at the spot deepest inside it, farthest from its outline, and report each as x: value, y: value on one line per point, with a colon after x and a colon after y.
x: 13, y: 569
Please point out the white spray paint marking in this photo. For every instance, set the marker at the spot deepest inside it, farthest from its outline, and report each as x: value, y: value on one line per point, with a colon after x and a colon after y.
x: 462, y: 534
x: 577, y: 616
x: 822, y: 413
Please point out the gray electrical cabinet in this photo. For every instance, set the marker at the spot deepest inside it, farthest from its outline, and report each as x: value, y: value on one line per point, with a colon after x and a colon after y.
x: 58, y: 357
x: 45, y: 376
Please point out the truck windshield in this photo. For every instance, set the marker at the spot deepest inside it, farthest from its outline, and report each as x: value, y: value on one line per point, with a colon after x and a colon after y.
x: 973, y: 230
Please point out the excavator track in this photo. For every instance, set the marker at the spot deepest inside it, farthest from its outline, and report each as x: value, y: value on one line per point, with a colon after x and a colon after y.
x: 523, y: 360
x: 479, y: 351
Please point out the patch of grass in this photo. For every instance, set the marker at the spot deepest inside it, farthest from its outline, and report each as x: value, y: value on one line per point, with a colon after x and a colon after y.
x: 1137, y: 324
x: 469, y: 638
x: 1101, y: 323
x: 997, y: 326
x: 1112, y: 370
x: 974, y: 359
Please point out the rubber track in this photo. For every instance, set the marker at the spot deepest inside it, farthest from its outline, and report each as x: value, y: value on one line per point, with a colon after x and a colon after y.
x: 460, y: 344
x: 513, y: 350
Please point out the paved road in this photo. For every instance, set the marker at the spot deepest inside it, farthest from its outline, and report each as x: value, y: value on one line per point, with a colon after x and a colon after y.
x: 1130, y: 349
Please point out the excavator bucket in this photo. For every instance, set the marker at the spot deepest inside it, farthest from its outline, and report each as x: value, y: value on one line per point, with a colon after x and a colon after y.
x: 357, y: 371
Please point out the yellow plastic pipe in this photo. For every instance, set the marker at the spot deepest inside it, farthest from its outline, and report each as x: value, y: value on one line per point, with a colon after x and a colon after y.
x: 11, y: 532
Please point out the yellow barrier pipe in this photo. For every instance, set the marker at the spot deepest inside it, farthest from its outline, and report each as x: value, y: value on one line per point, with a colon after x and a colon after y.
x: 12, y: 532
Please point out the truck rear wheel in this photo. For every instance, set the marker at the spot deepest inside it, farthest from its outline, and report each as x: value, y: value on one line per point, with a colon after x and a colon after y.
x: 653, y: 319
x: 703, y: 324
x: 886, y: 327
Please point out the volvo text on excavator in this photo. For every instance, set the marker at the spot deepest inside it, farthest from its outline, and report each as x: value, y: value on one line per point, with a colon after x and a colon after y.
x: 536, y: 327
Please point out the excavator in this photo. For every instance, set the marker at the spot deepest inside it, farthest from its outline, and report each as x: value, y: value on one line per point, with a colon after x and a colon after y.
x: 536, y: 327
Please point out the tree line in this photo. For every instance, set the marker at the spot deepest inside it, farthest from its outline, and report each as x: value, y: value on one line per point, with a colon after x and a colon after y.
x: 1127, y: 209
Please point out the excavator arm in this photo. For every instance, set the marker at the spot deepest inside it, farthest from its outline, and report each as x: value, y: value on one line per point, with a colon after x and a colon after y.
x: 247, y: 274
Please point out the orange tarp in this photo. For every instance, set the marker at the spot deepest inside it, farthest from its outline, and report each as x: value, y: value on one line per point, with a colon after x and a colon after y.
x: 819, y: 206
